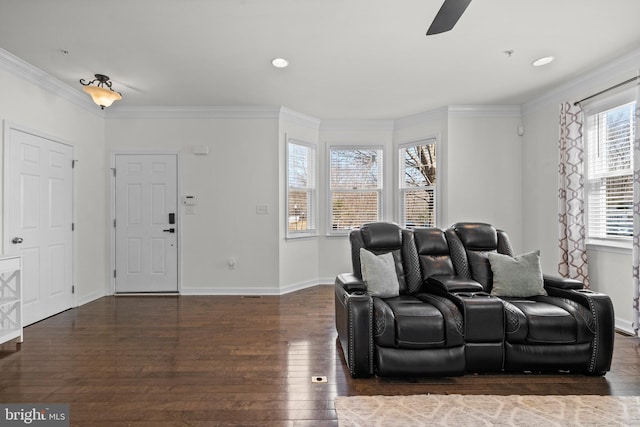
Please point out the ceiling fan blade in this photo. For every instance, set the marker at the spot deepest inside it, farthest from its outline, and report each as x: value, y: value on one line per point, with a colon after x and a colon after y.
x: 448, y: 15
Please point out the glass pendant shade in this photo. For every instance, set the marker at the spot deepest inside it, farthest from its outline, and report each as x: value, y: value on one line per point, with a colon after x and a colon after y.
x: 101, y: 96
x: 101, y: 93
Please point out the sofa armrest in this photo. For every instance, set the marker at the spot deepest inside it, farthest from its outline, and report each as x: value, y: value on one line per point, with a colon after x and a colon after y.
x: 602, y: 321
x: 561, y: 282
x: 354, y: 323
x: 451, y: 284
x: 350, y: 283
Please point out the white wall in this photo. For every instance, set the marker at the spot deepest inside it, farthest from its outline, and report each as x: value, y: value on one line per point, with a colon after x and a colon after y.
x: 483, y: 171
x: 240, y: 172
x: 299, y: 258
x: 27, y: 105
x: 610, y: 270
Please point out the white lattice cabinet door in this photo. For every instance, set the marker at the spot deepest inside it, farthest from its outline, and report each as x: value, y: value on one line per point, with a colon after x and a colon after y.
x: 10, y: 298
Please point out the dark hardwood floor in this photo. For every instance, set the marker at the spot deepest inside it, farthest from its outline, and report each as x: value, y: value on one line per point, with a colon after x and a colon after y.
x: 228, y: 361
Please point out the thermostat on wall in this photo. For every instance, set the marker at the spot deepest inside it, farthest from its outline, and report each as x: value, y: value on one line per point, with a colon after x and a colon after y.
x: 189, y: 200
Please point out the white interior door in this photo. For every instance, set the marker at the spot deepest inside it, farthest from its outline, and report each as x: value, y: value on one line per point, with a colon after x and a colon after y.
x: 38, y: 206
x: 146, y: 223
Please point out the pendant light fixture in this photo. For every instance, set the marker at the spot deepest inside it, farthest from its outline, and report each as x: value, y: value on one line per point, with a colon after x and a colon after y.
x: 101, y: 93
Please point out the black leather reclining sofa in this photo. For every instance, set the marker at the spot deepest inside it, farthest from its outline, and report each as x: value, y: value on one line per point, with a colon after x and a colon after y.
x: 444, y: 320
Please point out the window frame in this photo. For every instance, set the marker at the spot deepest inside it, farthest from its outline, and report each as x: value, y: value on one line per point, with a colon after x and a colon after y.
x: 400, y: 176
x: 590, y: 109
x: 312, y: 205
x: 330, y: 231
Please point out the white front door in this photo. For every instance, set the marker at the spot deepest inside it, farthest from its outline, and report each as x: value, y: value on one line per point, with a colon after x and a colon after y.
x: 38, y: 206
x: 146, y: 223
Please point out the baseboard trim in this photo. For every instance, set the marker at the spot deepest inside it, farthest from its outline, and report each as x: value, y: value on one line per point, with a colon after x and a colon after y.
x: 89, y: 298
x: 624, y: 326
x: 266, y: 291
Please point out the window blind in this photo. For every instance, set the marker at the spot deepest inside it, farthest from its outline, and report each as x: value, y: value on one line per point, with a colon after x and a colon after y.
x: 609, y: 187
x: 355, y: 184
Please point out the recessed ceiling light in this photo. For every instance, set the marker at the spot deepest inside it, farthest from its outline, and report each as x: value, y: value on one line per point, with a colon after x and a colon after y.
x: 280, y: 63
x: 542, y: 61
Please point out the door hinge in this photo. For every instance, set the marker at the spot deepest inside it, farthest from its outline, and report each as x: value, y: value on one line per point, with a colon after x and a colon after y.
x: 114, y: 223
x: 73, y: 289
x: 73, y: 164
x: 73, y: 226
x: 114, y: 273
x: 114, y: 171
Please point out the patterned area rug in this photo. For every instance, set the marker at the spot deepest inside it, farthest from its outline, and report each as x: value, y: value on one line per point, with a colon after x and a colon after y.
x: 487, y: 410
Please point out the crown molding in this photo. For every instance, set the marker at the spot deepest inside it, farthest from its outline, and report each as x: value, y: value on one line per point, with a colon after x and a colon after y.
x: 298, y: 118
x: 484, y: 110
x: 219, y: 112
x: 420, y: 118
x: 357, y: 125
x: 37, y: 77
x: 622, y: 68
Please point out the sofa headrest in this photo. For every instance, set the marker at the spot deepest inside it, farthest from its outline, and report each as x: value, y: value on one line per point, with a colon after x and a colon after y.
x: 381, y: 235
x: 477, y: 236
x: 430, y: 241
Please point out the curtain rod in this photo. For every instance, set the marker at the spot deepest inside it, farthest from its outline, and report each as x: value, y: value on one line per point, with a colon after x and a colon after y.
x: 607, y: 89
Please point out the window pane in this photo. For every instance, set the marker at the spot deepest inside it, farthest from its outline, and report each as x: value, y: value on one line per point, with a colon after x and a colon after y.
x: 418, y: 185
x: 301, y: 194
x: 619, y: 206
x: 419, y: 165
x: 299, y: 204
x: 350, y: 210
x: 610, y: 138
x: 301, y: 162
x: 419, y: 208
x: 609, y: 181
x: 355, y: 169
x: 355, y: 184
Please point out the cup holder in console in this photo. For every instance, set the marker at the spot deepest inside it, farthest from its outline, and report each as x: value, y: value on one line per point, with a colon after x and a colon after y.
x: 481, y: 294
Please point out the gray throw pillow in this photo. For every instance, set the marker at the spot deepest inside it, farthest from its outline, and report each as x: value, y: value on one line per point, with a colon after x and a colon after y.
x: 518, y: 277
x: 379, y: 273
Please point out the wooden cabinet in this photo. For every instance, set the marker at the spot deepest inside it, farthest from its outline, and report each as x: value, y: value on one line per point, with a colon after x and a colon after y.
x: 10, y: 298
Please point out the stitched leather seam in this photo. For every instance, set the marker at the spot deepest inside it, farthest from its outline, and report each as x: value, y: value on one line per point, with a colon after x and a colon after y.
x: 370, y: 333
x: 351, y: 344
x: 596, y: 337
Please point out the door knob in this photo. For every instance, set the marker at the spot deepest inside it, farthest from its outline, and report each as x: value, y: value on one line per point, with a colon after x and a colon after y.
x: 170, y: 230
x: 17, y: 240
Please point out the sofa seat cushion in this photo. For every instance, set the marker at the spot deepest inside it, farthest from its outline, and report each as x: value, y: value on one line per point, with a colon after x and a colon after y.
x: 539, y: 322
x: 407, y: 322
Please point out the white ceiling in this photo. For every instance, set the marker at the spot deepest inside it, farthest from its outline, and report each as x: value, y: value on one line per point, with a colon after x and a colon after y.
x: 350, y: 59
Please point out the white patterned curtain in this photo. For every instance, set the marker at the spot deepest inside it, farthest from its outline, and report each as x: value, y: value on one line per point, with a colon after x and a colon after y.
x: 636, y: 214
x: 573, y: 253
